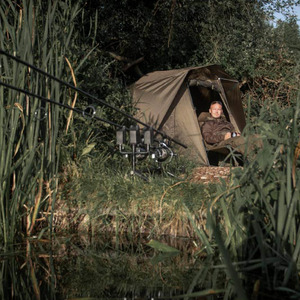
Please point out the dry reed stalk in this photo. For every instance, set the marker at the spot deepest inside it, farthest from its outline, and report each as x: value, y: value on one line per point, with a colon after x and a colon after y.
x: 296, y: 156
x: 163, y: 196
x: 75, y: 97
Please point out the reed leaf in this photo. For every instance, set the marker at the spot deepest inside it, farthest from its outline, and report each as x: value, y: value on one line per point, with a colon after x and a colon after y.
x: 230, y: 269
x: 261, y: 217
x: 162, y: 247
x: 32, y: 31
x: 199, y: 232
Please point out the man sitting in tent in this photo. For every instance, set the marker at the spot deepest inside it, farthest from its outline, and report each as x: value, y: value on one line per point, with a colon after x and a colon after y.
x: 217, y: 131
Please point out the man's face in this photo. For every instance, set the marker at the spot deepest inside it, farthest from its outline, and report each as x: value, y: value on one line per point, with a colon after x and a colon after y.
x: 216, y: 110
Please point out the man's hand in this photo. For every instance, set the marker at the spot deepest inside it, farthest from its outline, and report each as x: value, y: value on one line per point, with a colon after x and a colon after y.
x: 227, y: 136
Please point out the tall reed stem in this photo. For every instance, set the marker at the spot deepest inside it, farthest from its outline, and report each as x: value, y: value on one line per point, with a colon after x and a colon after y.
x: 40, y: 33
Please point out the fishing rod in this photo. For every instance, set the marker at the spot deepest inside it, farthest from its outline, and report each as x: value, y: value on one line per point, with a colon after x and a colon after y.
x: 83, y: 112
x: 160, y: 151
x: 141, y: 146
x: 90, y: 96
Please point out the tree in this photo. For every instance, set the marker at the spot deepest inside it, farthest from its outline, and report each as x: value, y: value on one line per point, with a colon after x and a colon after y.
x: 165, y: 34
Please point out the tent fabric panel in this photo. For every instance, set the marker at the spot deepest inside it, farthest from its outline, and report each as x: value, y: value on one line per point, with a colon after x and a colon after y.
x: 184, y: 124
x: 233, y: 97
x: 154, y: 93
x: 230, y: 118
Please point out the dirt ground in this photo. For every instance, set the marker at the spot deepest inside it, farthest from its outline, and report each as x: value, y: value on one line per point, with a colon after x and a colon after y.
x: 210, y: 174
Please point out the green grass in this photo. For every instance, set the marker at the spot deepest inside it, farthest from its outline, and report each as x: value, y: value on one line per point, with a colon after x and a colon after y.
x: 111, y: 199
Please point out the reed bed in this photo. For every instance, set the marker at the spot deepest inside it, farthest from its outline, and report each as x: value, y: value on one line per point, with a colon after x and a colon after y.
x: 39, y: 33
x: 255, y: 220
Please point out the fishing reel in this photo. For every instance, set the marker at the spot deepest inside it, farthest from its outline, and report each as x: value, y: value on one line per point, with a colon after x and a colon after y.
x: 143, y: 145
x: 163, y: 152
x: 160, y: 152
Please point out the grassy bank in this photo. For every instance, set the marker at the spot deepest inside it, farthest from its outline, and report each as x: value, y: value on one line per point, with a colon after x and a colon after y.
x: 107, y: 198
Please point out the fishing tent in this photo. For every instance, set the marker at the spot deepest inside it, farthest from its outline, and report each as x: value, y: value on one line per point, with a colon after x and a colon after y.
x: 172, y: 100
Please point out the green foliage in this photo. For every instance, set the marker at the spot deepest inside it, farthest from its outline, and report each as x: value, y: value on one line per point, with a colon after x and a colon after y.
x: 161, y: 247
x: 168, y: 34
x: 32, y: 130
x: 256, y: 219
x: 40, y: 34
x: 290, y: 37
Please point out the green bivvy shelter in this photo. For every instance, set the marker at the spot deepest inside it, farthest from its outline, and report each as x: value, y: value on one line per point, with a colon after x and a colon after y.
x: 172, y: 101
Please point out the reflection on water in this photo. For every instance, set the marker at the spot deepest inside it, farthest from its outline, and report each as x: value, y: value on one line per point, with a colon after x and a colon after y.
x: 79, y: 268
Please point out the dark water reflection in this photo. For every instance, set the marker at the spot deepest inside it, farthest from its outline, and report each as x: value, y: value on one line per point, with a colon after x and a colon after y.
x: 102, y: 268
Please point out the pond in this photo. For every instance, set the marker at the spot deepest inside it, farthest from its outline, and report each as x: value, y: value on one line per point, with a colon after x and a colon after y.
x: 108, y: 268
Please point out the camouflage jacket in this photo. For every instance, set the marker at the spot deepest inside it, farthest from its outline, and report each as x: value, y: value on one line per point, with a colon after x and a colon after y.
x: 213, y: 130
